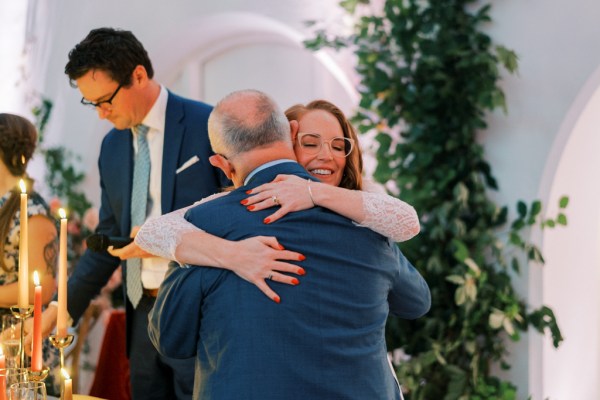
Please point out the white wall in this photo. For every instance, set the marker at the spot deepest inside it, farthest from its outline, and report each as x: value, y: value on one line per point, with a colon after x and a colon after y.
x: 535, y: 150
x: 175, y: 34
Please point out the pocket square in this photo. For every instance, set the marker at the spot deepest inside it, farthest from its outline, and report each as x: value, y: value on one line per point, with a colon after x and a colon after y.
x: 187, y: 164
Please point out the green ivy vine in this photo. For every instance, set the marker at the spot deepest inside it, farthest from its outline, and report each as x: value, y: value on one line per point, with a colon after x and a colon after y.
x: 429, y: 75
x: 62, y: 177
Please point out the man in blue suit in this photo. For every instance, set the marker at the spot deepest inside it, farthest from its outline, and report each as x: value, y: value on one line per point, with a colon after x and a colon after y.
x: 325, y: 340
x: 114, y: 74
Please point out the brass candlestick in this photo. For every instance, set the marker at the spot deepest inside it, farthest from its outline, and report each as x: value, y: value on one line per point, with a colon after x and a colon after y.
x: 38, y: 376
x: 22, y: 313
x: 60, y: 343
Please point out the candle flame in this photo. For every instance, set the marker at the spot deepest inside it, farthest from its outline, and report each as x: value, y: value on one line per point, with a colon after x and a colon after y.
x: 23, y: 159
x: 22, y: 186
x: 64, y: 373
x: 36, y: 278
x: 62, y: 213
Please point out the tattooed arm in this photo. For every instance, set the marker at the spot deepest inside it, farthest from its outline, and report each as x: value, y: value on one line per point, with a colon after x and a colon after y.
x: 42, y: 244
x: 43, y: 255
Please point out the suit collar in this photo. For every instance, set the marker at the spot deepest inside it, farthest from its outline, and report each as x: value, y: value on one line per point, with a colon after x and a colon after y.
x: 269, y: 173
x: 265, y: 166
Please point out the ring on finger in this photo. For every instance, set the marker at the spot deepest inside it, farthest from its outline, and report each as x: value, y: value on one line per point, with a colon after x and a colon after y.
x: 270, y: 277
x: 275, y: 200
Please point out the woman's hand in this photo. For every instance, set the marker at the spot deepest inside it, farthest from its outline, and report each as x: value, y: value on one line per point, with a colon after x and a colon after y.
x: 259, y: 260
x: 290, y: 192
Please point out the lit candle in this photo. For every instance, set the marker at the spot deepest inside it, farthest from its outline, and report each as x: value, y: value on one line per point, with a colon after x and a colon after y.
x: 36, y: 354
x: 23, y: 248
x: 61, y: 320
x: 68, y: 386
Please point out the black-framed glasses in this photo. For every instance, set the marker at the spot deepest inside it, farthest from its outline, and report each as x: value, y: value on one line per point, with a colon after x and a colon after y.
x: 312, y: 143
x: 101, y: 104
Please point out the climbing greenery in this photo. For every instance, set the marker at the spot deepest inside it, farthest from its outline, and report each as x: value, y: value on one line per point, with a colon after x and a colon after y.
x: 429, y: 76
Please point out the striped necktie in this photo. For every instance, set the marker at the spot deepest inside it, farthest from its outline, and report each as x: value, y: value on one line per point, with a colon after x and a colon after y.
x: 139, y: 205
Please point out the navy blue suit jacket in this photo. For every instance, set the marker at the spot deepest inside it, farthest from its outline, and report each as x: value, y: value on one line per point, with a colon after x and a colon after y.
x: 185, y: 136
x: 325, y: 340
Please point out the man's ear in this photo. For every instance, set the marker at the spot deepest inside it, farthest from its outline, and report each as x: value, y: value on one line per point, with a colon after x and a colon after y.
x: 218, y: 161
x: 140, y: 76
x: 294, y: 128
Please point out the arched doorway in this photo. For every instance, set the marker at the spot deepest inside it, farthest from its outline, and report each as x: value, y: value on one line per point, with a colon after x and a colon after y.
x: 570, y: 281
x: 224, y: 52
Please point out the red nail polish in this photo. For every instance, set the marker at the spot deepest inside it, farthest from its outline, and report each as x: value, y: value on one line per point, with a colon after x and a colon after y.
x: 301, y: 271
x: 267, y: 220
x: 301, y: 257
x: 248, y: 191
x: 295, y: 281
x: 244, y: 202
x: 250, y: 208
x: 276, y: 299
x: 281, y: 247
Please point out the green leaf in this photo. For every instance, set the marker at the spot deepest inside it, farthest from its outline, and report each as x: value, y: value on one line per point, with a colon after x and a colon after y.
x: 518, y: 224
x: 536, y: 207
x: 534, y: 254
x: 564, y: 202
x: 461, y: 252
x: 469, y: 262
x: 515, y: 239
x: 561, y: 219
x: 522, y: 209
x: 460, y: 296
x: 508, y: 58
x: 515, y: 265
x: 457, y: 383
x: 496, y: 319
x: 457, y: 279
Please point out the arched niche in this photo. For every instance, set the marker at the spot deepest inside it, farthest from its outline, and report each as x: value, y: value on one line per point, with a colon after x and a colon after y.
x: 569, y: 282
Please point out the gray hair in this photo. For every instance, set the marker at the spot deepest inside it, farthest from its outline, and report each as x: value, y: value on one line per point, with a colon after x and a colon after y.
x: 245, y: 120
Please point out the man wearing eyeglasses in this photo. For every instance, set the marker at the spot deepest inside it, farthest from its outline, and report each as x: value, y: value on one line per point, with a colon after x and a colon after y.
x: 159, y: 148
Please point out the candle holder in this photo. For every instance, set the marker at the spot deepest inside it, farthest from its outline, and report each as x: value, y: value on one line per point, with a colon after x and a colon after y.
x: 22, y: 313
x: 38, y: 376
x: 60, y: 343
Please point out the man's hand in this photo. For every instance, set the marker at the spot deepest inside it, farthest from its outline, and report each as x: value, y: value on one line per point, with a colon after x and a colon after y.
x: 132, y: 250
x: 48, y: 325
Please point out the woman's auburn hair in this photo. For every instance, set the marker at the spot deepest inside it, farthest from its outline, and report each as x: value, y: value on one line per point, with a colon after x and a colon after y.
x: 352, y: 176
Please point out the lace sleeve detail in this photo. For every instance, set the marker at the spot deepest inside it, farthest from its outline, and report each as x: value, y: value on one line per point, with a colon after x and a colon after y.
x: 389, y: 216
x: 161, y: 235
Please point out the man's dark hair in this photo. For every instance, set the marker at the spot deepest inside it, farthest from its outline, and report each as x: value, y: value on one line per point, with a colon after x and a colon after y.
x: 116, y: 52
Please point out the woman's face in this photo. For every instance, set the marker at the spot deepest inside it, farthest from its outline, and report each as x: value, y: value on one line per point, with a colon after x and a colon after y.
x: 323, y: 165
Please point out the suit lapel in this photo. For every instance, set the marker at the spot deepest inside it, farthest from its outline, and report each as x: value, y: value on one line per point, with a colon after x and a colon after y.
x: 174, y: 131
x: 124, y: 172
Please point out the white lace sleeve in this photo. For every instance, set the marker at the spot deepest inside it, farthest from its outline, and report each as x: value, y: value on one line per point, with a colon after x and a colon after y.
x: 389, y: 216
x: 161, y: 235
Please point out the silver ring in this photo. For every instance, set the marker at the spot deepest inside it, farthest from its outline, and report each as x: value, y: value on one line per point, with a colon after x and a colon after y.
x: 270, y: 277
x: 275, y: 200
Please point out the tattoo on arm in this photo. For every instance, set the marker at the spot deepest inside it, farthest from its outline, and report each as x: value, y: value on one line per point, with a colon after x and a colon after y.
x: 51, y: 256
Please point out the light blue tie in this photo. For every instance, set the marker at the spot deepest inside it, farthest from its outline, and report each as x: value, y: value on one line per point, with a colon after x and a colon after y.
x: 139, y: 205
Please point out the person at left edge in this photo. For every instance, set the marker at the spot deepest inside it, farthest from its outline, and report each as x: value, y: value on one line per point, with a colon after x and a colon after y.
x: 114, y: 74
